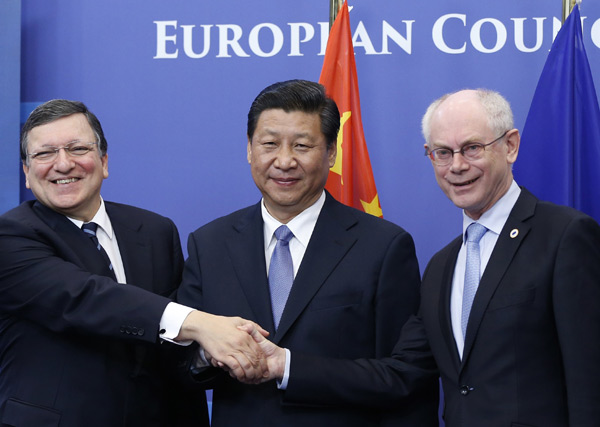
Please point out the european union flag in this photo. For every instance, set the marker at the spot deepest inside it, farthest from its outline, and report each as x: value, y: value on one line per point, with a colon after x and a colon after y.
x: 559, y: 158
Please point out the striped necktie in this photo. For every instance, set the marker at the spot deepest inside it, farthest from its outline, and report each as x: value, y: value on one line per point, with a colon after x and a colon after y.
x: 89, y: 228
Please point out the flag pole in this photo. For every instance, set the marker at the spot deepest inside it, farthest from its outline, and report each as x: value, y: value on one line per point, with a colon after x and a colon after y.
x: 334, y: 8
x: 567, y: 7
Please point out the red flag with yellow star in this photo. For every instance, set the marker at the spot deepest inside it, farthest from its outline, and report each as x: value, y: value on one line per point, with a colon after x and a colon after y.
x: 351, y: 179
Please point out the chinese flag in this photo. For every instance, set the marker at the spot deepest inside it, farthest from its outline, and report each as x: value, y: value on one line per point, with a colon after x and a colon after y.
x: 351, y: 178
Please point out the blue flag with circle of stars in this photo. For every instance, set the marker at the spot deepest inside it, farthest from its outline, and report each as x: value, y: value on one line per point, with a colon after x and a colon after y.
x: 559, y: 158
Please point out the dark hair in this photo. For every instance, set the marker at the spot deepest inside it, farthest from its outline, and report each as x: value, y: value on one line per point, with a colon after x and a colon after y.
x: 298, y: 95
x: 56, y: 109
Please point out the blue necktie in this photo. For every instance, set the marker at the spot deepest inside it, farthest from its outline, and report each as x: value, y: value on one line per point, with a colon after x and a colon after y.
x: 475, y: 232
x: 281, y: 272
x: 90, y: 228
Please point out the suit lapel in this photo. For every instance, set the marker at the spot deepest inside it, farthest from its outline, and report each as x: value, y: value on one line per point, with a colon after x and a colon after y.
x: 134, y: 246
x: 246, y: 248
x: 329, y: 243
x: 77, y: 246
x: 444, y: 303
x: 506, y: 247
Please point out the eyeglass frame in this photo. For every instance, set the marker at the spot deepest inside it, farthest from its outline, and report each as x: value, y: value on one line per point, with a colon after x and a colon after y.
x: 65, y: 147
x: 461, y: 150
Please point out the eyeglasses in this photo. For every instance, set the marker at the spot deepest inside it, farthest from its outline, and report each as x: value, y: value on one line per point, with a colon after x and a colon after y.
x: 473, y: 151
x: 75, y: 149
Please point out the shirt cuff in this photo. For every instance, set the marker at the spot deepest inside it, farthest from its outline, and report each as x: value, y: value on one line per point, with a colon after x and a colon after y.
x: 171, y: 322
x: 282, y: 385
x: 199, y: 362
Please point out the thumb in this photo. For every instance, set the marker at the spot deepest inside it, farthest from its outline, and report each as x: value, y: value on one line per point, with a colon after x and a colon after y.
x: 254, y: 332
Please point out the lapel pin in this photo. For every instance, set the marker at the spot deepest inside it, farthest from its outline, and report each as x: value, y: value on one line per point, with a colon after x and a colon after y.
x: 514, y: 233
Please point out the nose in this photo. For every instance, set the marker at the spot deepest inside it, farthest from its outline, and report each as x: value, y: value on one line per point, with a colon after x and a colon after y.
x: 459, y: 163
x: 285, y: 158
x: 63, y: 162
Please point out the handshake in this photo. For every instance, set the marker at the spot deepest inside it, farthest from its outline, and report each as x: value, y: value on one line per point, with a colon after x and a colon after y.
x: 236, y: 345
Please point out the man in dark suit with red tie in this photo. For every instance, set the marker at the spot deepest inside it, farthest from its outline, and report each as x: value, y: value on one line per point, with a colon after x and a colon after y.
x: 81, y: 311
x: 321, y: 277
x: 509, y: 318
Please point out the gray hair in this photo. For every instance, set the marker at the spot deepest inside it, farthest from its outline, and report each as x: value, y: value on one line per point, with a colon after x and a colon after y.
x: 496, y: 107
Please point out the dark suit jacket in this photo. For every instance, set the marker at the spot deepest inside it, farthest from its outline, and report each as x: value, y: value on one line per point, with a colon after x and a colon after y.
x: 76, y: 348
x: 357, y: 285
x: 532, y: 349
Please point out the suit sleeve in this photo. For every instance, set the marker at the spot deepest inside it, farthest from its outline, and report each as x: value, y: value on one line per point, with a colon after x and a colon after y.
x: 403, y: 372
x: 397, y: 300
x: 39, y: 285
x: 397, y: 292
x: 576, y: 299
x: 380, y: 383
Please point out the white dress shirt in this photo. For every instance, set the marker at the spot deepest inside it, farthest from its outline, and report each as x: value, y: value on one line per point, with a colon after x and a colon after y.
x: 302, y: 226
x: 108, y: 240
x: 493, y: 219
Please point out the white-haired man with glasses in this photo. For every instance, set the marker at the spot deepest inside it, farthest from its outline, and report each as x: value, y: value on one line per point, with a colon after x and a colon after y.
x: 509, y: 315
x: 84, y: 294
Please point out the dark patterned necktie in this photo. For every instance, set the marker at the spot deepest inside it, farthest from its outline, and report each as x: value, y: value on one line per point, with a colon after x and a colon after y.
x: 89, y: 228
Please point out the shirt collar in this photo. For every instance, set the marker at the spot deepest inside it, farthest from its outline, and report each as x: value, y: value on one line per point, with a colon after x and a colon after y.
x: 495, y: 218
x: 101, y: 218
x: 302, y: 225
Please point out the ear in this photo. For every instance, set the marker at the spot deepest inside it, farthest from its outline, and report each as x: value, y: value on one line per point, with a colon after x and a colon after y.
x: 332, y: 154
x: 513, y: 141
x: 104, y: 160
x: 427, y: 150
x: 249, y: 151
x: 26, y: 172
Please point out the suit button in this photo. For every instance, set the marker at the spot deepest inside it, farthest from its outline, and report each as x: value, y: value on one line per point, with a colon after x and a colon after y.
x: 464, y: 390
x: 140, y: 331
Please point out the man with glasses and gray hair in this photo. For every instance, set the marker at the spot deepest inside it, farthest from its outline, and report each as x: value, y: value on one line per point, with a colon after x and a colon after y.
x: 509, y: 315
x: 84, y: 294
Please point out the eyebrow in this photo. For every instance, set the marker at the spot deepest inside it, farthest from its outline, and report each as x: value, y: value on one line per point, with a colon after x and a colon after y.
x: 54, y: 145
x: 297, y: 135
x: 462, y: 144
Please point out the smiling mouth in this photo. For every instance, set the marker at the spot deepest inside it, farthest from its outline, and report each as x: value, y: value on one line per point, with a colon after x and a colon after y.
x: 462, y: 184
x: 65, y: 180
x: 285, y: 180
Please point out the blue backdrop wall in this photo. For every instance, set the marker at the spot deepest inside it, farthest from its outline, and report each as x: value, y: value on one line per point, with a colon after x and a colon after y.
x: 172, y: 83
x: 10, y: 76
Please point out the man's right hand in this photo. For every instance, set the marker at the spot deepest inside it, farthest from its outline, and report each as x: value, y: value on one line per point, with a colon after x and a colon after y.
x: 228, y: 345
x: 275, y: 355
